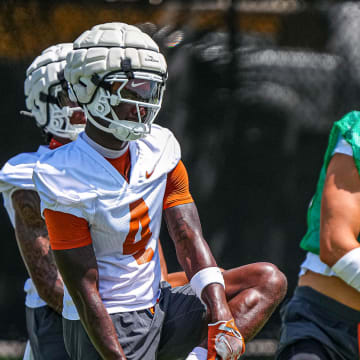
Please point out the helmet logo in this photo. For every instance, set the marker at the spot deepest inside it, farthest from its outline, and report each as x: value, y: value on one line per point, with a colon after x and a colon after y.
x: 138, y: 84
x: 151, y: 58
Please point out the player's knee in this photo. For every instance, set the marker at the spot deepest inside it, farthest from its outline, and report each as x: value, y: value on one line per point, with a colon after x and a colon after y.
x: 273, y: 280
x: 252, y: 299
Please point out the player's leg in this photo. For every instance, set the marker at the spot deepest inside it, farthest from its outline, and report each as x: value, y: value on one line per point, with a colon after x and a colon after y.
x: 138, y: 333
x: 46, y: 334
x: 185, y: 323
x: 253, y: 292
x: 28, y: 354
x: 315, y: 324
x: 31, y: 327
x: 77, y: 342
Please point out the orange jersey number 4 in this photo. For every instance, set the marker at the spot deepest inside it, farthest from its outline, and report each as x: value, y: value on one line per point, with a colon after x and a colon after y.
x: 139, y: 214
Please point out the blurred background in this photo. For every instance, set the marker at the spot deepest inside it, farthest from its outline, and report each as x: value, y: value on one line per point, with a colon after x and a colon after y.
x: 254, y: 87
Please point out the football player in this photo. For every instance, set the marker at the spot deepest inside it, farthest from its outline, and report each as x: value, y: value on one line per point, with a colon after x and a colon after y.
x: 103, y: 197
x: 61, y: 120
x: 322, y: 319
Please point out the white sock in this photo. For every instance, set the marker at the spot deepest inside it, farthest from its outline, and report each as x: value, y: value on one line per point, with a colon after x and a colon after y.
x: 197, y: 353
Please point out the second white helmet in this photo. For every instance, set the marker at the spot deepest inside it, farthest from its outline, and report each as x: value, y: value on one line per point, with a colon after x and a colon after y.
x: 43, y: 85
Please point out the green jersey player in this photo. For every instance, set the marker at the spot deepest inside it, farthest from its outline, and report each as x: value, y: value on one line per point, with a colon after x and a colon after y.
x: 322, y: 320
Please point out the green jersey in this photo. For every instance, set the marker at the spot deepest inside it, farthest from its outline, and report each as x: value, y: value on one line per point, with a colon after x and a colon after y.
x: 349, y: 128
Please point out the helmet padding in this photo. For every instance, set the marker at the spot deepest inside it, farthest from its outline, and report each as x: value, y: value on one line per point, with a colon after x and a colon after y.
x: 110, y: 53
x: 43, y: 76
x: 103, y: 49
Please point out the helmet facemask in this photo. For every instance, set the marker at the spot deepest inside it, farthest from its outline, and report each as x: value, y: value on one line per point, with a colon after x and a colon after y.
x: 61, y: 115
x: 144, y: 90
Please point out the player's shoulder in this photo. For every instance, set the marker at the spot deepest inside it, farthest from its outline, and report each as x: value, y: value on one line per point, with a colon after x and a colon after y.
x: 161, y: 139
x: 350, y: 119
x: 63, y: 155
x: 73, y: 172
x: 352, y: 114
x: 160, y: 147
x: 25, y: 159
x: 159, y: 131
x: 62, y: 163
x: 61, y: 176
x: 348, y: 127
x: 74, y: 159
x: 18, y: 170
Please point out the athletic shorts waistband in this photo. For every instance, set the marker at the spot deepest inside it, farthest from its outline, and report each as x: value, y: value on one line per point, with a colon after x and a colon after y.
x: 344, y: 312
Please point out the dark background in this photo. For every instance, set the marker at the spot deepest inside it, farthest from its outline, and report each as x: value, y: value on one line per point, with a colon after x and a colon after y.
x: 253, y: 89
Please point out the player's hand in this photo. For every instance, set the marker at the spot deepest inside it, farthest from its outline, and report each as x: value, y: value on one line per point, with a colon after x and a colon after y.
x: 224, y: 341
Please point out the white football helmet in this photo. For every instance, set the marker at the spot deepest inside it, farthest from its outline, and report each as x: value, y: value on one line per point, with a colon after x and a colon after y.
x: 117, y: 63
x: 44, y: 85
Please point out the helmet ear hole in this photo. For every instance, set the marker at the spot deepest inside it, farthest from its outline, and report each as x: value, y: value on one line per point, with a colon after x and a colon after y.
x: 99, y: 106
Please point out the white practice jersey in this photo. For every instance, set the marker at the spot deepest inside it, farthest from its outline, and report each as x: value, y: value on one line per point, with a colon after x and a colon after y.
x: 17, y: 174
x: 124, y: 218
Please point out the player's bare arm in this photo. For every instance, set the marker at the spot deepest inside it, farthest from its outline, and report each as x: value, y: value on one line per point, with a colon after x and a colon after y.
x: 252, y: 291
x: 163, y: 265
x: 33, y: 241
x: 194, y: 254
x: 340, y: 209
x: 178, y: 278
x: 339, y: 229
x: 80, y: 272
x: 185, y: 229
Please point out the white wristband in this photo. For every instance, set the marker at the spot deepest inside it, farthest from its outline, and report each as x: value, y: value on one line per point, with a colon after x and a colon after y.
x: 347, y: 268
x: 205, y: 277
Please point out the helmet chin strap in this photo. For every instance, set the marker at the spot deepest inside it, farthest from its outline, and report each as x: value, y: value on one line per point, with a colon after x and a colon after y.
x: 94, y: 122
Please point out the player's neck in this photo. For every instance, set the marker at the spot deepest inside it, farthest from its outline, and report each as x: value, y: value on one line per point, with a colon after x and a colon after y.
x: 104, y: 151
x: 106, y: 140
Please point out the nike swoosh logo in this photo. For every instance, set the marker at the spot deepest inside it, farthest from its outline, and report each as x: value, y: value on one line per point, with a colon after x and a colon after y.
x: 137, y: 84
x: 147, y: 175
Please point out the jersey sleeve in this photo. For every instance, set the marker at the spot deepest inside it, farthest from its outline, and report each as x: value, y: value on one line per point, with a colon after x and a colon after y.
x: 17, y: 172
x: 62, y: 186
x: 177, y: 190
x: 66, y: 231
